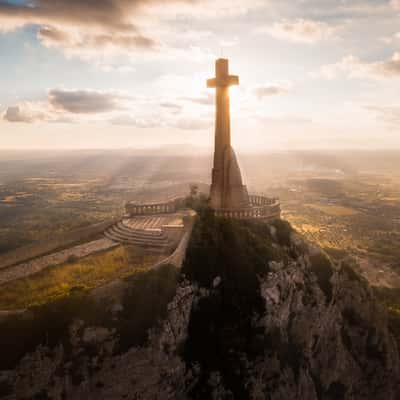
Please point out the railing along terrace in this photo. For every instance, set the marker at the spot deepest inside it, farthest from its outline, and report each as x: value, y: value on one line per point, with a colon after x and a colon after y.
x: 170, y: 206
x: 261, y: 207
x: 262, y: 200
x: 268, y: 209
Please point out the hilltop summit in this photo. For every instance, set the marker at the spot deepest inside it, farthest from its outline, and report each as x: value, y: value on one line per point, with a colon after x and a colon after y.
x: 255, y: 313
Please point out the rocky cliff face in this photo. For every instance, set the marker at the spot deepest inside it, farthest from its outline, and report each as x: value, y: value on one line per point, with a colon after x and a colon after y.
x: 327, y: 340
x: 90, y: 366
x: 312, y: 330
x: 321, y: 336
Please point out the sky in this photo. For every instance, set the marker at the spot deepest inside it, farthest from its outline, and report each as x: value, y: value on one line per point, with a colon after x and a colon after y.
x: 314, y: 74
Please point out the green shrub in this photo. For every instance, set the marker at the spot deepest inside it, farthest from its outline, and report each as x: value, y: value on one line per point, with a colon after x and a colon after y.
x: 72, y: 258
x: 223, y: 326
x: 336, y: 254
x: 145, y: 303
x: 390, y: 300
x: 46, y: 324
x: 283, y: 232
x: 6, y: 389
x: 197, y: 203
x: 351, y: 274
x: 322, y: 268
x: 237, y: 250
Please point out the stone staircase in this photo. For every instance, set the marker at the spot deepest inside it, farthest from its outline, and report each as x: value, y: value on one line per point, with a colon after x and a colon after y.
x: 143, y: 231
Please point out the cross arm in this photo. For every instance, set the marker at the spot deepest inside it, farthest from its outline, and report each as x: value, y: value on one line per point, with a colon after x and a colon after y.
x: 229, y: 80
x: 212, y: 83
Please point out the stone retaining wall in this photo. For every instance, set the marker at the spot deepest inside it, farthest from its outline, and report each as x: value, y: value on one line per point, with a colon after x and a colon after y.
x: 178, y: 256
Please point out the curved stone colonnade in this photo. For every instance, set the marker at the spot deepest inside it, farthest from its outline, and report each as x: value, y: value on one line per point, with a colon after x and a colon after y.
x: 260, y: 200
x: 170, y: 206
x: 261, y: 207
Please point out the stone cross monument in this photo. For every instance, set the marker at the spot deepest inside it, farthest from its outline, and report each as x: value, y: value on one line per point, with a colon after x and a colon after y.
x: 229, y: 197
x: 227, y: 189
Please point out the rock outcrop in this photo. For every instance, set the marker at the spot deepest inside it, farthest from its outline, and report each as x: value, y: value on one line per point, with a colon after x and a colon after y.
x: 89, y: 365
x: 324, y: 341
x: 321, y: 336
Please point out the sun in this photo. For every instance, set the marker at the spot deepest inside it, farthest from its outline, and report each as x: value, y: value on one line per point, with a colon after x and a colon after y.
x: 234, y: 96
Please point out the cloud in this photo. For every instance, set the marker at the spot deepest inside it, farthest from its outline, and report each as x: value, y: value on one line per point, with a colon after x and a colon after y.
x: 118, y: 68
x: 84, y: 101
x: 74, y: 42
x: 205, y: 9
x: 52, y: 37
x: 233, y: 42
x: 339, y: 10
x: 283, y: 120
x: 13, y: 114
x: 391, y: 39
x: 206, y: 99
x: 75, y: 25
x: 193, y: 123
x: 70, y: 106
x: 92, y: 29
x: 144, y: 122
x: 173, y: 107
x: 19, y: 114
x: 353, y: 67
x: 387, y: 114
x: 112, y: 13
x: 300, y: 31
x: 270, y: 90
x: 27, y: 112
x: 395, y: 4
x: 65, y: 105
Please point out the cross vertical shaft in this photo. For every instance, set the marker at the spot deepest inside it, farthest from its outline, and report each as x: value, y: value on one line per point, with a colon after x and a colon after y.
x: 227, y: 190
x: 221, y: 83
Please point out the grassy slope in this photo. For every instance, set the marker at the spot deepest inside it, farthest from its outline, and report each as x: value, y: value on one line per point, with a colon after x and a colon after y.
x: 145, y: 304
x: 89, y: 272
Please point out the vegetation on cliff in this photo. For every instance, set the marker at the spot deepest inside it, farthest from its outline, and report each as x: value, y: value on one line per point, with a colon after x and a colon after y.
x: 390, y: 299
x: 228, y: 258
x: 88, y: 272
x: 274, y: 317
x: 255, y: 313
x: 144, y: 304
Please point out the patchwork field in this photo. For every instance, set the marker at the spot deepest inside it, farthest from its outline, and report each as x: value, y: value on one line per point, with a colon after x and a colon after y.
x: 334, y: 210
x: 349, y: 216
x: 58, y: 194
